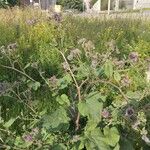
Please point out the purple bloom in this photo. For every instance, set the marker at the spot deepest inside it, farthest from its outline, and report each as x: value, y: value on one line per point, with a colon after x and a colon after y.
x: 105, y: 113
x: 133, y: 56
x: 119, y: 63
x: 65, y: 66
x: 126, y: 81
x: 129, y: 112
x: 28, y: 138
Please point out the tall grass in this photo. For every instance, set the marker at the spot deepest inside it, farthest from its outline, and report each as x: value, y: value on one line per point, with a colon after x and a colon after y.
x: 39, y: 37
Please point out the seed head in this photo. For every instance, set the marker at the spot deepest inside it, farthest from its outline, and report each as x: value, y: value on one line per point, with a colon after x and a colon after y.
x: 129, y: 112
x: 105, y: 113
x: 133, y: 56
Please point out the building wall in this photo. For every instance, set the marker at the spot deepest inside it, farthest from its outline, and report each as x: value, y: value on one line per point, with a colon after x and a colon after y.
x: 142, y: 4
x: 138, y: 4
x: 128, y: 4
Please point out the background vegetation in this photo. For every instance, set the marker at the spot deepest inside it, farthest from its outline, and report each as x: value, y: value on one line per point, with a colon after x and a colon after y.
x: 73, y: 83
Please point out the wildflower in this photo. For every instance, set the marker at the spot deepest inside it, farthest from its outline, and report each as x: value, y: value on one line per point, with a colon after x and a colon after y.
x: 129, y: 112
x: 74, y: 53
x: 133, y: 56
x: 28, y: 138
x: 105, y: 113
x: 65, y: 66
x: 119, y: 63
x: 88, y: 46
x: 53, y: 80
x: 126, y: 81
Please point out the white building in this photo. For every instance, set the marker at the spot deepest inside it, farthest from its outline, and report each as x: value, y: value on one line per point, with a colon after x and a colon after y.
x: 122, y: 4
x: 141, y: 4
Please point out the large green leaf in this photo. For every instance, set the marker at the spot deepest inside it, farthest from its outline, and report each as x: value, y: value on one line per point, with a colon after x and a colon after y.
x: 126, y: 144
x: 94, y: 140
x: 134, y: 95
x: 91, y: 107
x: 63, y: 100
x: 65, y: 81
x: 111, y: 136
x: 58, y: 120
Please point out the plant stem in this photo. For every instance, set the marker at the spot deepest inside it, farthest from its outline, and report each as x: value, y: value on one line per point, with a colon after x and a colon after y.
x: 78, y: 87
x: 23, y: 73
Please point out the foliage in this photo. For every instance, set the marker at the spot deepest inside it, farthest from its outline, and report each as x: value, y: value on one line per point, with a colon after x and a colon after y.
x: 60, y: 90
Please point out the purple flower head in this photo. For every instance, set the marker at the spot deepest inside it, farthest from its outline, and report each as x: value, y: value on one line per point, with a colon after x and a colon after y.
x: 105, y: 113
x: 133, y: 56
x: 65, y: 66
x: 129, y: 112
x: 126, y: 81
x: 28, y: 138
x: 73, y: 53
x: 119, y: 63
